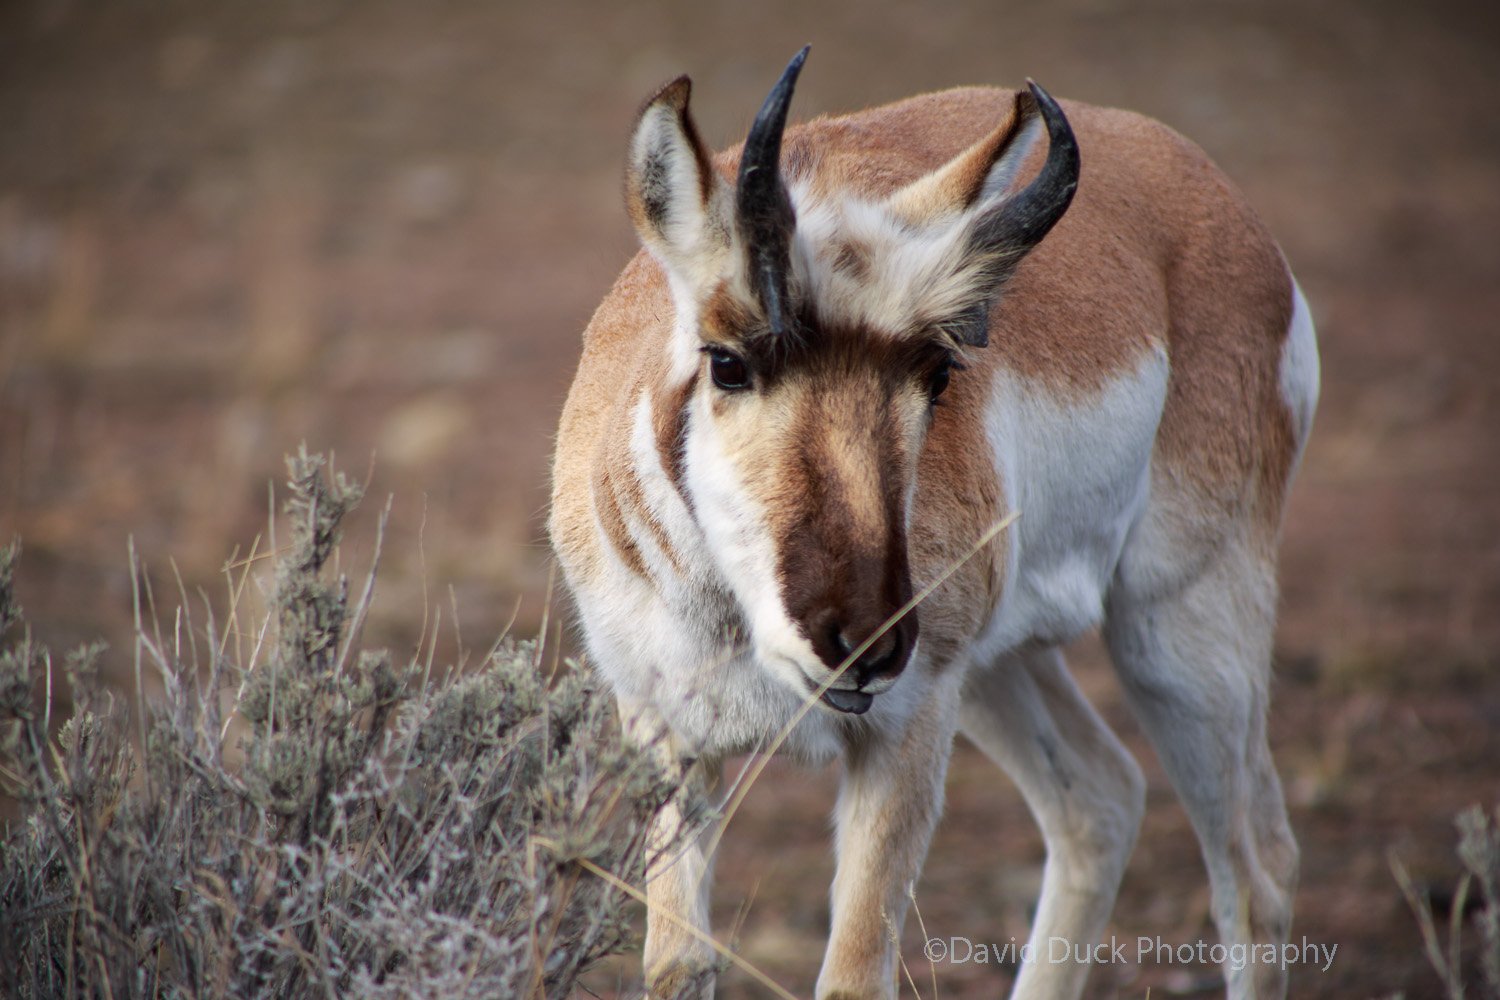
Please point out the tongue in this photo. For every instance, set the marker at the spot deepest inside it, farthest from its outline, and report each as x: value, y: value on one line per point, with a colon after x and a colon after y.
x: 853, y: 702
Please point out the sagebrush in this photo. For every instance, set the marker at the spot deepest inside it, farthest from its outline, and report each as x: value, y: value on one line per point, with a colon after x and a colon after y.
x: 308, y: 818
x: 1479, y: 852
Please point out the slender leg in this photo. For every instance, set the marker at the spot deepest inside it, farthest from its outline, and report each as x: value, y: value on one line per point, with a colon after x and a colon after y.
x: 679, y: 965
x: 888, y: 806
x: 1084, y: 789
x: 1195, y: 665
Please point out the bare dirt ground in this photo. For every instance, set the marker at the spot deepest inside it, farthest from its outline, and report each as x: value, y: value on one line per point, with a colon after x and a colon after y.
x: 379, y: 228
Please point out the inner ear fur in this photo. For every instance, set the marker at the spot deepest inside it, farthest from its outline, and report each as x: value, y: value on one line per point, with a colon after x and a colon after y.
x: 676, y: 200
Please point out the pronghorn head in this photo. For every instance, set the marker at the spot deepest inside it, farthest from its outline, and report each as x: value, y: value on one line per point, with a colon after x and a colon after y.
x: 815, y: 331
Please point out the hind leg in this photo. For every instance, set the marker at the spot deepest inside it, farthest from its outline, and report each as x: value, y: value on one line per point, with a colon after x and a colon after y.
x: 1084, y: 789
x: 1195, y: 664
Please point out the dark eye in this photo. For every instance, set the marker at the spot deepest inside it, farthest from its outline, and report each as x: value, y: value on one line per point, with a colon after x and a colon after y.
x: 728, y: 370
x: 939, y: 379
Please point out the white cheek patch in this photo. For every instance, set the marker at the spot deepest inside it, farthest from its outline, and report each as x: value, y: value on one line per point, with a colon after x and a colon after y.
x: 734, y: 526
x: 660, y: 512
x: 661, y: 639
x: 663, y: 502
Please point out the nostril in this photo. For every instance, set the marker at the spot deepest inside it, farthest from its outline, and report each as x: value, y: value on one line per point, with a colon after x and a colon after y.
x: 870, y: 658
x: 885, y: 656
x: 881, y: 649
x: 835, y: 639
x: 873, y: 660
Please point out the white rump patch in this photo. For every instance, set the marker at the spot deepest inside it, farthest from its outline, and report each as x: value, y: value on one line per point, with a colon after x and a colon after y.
x: 1300, y: 367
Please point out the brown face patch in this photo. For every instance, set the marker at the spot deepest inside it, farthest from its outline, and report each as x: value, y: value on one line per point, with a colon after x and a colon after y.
x: 831, y: 437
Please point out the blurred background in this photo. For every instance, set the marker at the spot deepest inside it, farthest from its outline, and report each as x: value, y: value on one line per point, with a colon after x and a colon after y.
x: 380, y: 228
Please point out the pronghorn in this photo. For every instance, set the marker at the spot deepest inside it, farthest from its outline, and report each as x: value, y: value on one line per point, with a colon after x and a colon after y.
x: 846, y: 353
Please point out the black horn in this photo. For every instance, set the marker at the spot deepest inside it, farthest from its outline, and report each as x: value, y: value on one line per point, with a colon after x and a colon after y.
x: 763, y: 210
x: 1019, y: 223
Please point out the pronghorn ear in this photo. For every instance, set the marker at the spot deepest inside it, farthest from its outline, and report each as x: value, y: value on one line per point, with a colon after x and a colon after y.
x: 979, y: 175
x: 678, y: 202
x: 995, y: 227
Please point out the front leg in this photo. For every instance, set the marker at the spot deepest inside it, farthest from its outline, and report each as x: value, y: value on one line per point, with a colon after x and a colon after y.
x: 888, y: 806
x: 679, y: 964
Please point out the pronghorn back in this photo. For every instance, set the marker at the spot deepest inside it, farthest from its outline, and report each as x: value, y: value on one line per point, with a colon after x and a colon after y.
x: 848, y: 350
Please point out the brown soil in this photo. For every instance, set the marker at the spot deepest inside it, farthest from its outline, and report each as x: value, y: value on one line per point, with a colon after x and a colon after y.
x: 379, y: 227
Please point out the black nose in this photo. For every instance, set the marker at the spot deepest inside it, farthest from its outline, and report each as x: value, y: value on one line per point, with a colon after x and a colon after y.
x: 875, y: 661
x: 834, y: 639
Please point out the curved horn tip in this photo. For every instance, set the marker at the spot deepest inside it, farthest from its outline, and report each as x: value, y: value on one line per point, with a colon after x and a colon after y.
x: 1051, y: 111
x: 794, y: 67
x: 782, y: 92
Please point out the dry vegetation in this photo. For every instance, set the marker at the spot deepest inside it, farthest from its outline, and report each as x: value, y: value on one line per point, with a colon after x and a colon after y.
x: 306, y: 818
x: 1479, y: 850
x: 296, y: 816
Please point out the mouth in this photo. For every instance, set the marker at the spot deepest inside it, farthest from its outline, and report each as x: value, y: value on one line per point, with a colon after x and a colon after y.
x: 849, y: 702
x: 844, y: 700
